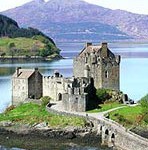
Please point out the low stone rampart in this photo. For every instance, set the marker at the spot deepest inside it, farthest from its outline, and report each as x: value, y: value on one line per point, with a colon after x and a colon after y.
x: 112, y: 133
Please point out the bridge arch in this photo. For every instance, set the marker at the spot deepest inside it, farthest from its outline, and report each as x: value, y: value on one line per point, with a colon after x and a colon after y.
x: 112, y: 138
x: 106, y: 132
x: 106, y: 135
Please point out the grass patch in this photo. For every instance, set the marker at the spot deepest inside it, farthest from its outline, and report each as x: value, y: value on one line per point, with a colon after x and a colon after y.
x: 128, y: 116
x: 35, y: 46
x: 20, y: 43
x: 30, y: 113
x: 105, y: 107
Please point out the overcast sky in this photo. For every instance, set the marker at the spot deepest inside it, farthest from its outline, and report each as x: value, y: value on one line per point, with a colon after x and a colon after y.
x: 136, y: 6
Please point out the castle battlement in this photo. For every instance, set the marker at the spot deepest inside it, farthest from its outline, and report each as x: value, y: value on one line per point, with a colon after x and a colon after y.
x: 95, y: 67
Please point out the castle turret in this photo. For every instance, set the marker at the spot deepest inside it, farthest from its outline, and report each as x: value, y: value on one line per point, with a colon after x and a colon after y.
x: 56, y: 74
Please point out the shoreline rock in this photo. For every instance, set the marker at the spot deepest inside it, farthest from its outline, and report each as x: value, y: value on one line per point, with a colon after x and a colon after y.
x: 50, y: 58
x: 44, y: 131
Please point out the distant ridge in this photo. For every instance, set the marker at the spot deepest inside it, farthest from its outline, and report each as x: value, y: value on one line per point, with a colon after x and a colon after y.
x: 76, y: 20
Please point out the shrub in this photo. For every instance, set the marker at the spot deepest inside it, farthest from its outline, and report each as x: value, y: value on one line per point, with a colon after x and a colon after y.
x: 144, y: 104
x: 145, y: 118
x: 8, y: 109
x: 45, y: 100
x: 121, y: 118
x: 102, y: 94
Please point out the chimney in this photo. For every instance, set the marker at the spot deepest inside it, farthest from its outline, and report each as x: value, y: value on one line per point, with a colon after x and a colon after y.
x: 56, y: 74
x: 36, y: 69
x: 104, y: 44
x: 88, y: 44
x: 18, y: 71
x: 104, y: 50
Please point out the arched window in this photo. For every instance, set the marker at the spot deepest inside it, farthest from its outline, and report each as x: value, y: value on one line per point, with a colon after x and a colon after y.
x: 59, y: 97
x: 113, y: 138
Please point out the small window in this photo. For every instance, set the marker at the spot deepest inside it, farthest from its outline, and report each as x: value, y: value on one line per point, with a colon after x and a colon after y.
x: 86, y: 59
x: 59, y: 96
x: 106, y: 74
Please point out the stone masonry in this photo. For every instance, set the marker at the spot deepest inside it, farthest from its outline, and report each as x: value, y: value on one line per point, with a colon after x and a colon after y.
x: 99, y: 63
x: 26, y: 83
x: 95, y: 67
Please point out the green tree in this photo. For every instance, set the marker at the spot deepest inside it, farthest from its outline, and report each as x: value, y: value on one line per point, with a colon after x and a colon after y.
x: 45, y: 100
x: 102, y: 95
x: 144, y: 105
x: 3, y: 54
x: 12, y: 48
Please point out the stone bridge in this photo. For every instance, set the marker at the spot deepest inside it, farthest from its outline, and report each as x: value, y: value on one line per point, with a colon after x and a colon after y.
x: 115, y: 135
x: 108, y: 134
x: 112, y: 133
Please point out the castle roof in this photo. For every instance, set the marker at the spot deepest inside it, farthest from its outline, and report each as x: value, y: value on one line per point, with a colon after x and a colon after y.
x: 101, y: 50
x: 23, y: 73
x: 90, y: 49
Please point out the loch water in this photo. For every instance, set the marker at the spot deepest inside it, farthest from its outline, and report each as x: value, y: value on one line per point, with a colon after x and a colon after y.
x: 133, y: 71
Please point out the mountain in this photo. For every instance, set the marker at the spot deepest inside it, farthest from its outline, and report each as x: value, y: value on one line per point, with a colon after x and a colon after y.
x: 10, y: 28
x: 22, y: 41
x: 79, y: 20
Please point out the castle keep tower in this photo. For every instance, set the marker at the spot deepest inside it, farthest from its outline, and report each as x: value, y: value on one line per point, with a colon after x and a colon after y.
x: 99, y: 63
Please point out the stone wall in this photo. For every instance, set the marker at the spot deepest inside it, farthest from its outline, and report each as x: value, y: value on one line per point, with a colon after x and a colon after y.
x: 110, y: 74
x: 100, y: 64
x: 74, y: 103
x: 78, y: 67
x: 54, y: 87
x: 112, y: 133
x: 26, y: 87
x: 130, y: 142
x: 73, y: 92
x: 35, y: 85
x: 19, y: 90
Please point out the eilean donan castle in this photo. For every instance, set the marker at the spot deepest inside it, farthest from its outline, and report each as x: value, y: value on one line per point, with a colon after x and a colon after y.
x: 95, y: 67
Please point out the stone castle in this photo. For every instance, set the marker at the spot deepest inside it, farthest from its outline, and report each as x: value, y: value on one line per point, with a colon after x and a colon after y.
x: 95, y: 67
x: 99, y: 63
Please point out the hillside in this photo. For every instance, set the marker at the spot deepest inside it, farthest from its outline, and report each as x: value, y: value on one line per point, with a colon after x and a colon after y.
x: 16, y: 41
x: 87, y: 21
